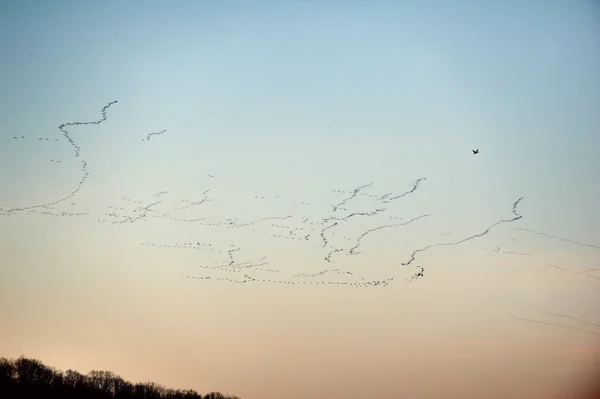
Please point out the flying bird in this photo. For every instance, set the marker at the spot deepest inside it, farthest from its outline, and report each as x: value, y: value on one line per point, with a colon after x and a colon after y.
x: 475, y: 151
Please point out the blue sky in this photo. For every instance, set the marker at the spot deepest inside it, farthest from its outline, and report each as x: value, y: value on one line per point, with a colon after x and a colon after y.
x: 293, y: 100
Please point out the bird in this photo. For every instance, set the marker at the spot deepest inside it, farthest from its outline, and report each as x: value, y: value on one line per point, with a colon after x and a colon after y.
x: 475, y: 152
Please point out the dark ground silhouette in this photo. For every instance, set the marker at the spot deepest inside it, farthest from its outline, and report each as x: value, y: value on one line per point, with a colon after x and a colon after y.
x: 30, y: 378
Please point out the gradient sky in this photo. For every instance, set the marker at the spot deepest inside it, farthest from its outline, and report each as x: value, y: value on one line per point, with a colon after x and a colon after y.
x: 290, y: 101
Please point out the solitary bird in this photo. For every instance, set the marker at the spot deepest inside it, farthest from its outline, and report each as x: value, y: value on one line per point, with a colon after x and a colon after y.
x: 475, y: 151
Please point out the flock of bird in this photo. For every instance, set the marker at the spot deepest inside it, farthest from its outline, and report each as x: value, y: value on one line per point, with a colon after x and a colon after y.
x: 315, y: 234
x: 149, y: 136
x: 332, y: 233
x: 84, y: 173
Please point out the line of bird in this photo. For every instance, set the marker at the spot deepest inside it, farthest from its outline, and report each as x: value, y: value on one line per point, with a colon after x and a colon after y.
x: 595, y: 327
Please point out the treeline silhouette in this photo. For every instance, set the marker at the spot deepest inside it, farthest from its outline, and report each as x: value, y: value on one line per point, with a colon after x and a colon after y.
x: 30, y: 378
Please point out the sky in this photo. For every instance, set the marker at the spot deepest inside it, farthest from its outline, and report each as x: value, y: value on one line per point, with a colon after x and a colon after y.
x: 308, y: 218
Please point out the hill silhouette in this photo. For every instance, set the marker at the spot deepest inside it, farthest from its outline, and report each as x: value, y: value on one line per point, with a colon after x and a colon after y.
x: 30, y: 378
